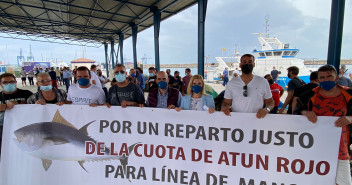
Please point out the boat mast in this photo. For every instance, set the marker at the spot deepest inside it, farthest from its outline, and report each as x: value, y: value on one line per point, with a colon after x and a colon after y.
x: 267, y: 26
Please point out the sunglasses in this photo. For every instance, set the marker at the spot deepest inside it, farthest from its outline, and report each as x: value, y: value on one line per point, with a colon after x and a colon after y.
x: 245, y: 92
x: 44, y: 81
x: 10, y: 82
x: 121, y: 72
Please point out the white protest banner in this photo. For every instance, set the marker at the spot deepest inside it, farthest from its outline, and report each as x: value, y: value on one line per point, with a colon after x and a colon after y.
x: 81, y: 145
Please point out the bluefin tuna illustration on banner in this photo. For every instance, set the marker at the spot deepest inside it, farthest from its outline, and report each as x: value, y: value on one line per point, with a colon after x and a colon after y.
x: 43, y: 144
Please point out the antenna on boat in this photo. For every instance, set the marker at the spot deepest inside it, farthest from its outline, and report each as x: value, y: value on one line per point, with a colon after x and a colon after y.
x: 267, y: 26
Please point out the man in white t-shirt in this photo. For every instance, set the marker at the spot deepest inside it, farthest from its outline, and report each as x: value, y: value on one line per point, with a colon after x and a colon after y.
x: 248, y: 92
x: 94, y: 77
x: 83, y: 92
x: 345, y: 72
x: 236, y: 72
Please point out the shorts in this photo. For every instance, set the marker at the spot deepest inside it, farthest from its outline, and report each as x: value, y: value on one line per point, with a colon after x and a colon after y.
x: 23, y: 78
x: 343, y: 175
x: 58, y: 78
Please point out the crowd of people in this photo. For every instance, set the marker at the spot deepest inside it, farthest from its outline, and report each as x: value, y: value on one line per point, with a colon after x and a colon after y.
x: 327, y: 94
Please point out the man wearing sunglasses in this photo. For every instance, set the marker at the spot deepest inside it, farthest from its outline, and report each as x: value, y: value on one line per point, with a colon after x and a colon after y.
x: 83, y: 92
x: 124, y: 93
x: 248, y: 92
x: 10, y: 96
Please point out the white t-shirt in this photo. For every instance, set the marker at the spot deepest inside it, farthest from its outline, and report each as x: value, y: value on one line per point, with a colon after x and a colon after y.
x: 95, y: 77
x: 258, y: 89
x: 86, y: 96
x: 347, y: 73
x: 104, y: 79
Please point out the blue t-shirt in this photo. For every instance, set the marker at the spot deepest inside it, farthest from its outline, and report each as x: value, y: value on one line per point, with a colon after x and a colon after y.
x: 141, y: 79
x: 226, y: 73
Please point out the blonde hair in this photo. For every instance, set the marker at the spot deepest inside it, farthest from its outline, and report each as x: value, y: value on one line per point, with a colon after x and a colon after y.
x: 189, y: 88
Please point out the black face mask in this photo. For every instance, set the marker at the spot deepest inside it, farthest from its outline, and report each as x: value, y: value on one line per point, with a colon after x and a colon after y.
x: 271, y: 81
x: 288, y: 75
x: 247, y: 68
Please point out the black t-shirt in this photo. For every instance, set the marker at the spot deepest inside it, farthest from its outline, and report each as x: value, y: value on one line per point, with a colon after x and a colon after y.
x: 171, y: 79
x: 292, y: 86
x: 54, y: 101
x: 304, y: 88
x: 131, y: 92
x: 52, y: 75
x: 301, y: 92
x: 20, y: 96
x: 178, y: 81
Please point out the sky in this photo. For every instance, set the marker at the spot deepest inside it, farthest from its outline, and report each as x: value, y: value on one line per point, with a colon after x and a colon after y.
x: 229, y: 24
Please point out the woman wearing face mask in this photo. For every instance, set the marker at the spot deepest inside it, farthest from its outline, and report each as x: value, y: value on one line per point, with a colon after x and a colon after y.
x: 196, y: 99
x: 47, y: 94
x: 132, y: 76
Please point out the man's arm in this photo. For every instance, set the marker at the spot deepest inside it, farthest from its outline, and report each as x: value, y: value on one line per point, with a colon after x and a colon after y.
x: 294, y: 103
x: 226, y: 106
x: 3, y: 107
x: 287, y: 101
x: 282, y: 91
x: 269, y: 104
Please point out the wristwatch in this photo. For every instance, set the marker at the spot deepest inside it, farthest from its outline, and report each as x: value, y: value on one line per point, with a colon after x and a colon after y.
x: 267, y: 108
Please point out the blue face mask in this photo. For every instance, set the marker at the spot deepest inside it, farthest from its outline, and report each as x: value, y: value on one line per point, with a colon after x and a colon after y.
x: 133, y: 75
x: 46, y: 88
x: 196, y: 89
x: 151, y: 74
x: 83, y: 81
x: 9, y: 87
x: 162, y: 84
x: 327, y: 85
x: 120, y: 77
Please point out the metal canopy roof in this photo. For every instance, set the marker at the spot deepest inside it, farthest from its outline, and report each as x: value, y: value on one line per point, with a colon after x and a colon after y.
x: 90, y: 21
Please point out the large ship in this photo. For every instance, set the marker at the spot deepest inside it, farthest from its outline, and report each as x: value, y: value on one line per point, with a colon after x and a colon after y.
x: 273, y: 53
x: 276, y: 54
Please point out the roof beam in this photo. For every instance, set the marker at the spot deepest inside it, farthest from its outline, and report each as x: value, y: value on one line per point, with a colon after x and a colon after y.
x: 91, y: 13
x: 131, y: 3
x: 61, y: 11
x: 75, y: 6
x: 5, y: 15
x: 106, y: 22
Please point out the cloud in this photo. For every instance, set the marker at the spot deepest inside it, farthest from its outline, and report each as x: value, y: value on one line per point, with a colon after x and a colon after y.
x: 229, y: 24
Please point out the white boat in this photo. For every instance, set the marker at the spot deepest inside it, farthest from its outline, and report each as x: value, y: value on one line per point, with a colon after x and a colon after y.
x: 214, y: 73
x: 273, y: 53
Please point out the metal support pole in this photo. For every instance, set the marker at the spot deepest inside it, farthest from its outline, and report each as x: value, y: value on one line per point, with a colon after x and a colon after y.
x: 121, y: 36
x: 157, y: 18
x: 134, y: 44
x: 202, y: 9
x: 112, y: 53
x: 106, y: 59
x: 336, y: 31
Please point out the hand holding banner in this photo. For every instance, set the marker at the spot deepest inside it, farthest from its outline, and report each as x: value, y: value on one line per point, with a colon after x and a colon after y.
x: 56, y: 145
